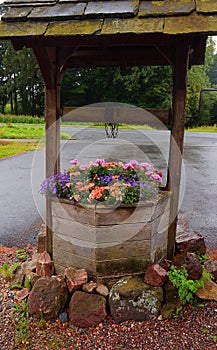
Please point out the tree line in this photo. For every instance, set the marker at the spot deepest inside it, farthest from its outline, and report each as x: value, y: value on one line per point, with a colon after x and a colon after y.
x: 22, y: 87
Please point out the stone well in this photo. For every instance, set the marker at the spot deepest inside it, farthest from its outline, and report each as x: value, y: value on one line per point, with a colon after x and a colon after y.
x: 108, y: 242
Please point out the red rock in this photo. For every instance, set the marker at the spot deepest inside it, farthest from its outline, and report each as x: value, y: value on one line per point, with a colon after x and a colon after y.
x: 42, y: 238
x: 89, y: 287
x: 86, y: 310
x: 155, y: 275
x: 192, y: 264
x: 211, y: 266
x: 208, y: 292
x: 22, y: 294
x: 190, y: 241
x: 75, y: 278
x: 23, y: 270
x: 44, y: 265
x: 48, y: 297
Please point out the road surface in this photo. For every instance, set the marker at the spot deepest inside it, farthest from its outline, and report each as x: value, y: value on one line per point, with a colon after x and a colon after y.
x: 23, y: 209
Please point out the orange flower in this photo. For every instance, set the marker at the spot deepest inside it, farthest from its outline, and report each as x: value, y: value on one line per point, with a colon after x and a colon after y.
x: 97, y: 192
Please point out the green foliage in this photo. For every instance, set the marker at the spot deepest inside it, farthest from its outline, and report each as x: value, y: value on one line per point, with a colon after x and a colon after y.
x: 21, y: 254
x: 21, y: 132
x: 28, y: 283
x: 8, y: 271
x: 140, y: 86
x: 10, y: 148
x: 22, y: 309
x: 20, y: 318
x: 16, y: 286
x: 202, y: 257
x: 8, y: 118
x: 186, y: 287
x: 23, y: 86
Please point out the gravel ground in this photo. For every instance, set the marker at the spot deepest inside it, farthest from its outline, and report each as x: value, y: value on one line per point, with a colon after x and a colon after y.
x: 195, y: 329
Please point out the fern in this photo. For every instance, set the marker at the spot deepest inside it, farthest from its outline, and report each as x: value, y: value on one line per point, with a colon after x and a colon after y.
x: 8, y: 271
x: 186, y: 287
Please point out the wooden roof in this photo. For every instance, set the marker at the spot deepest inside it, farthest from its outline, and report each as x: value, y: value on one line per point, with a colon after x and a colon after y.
x: 149, y: 28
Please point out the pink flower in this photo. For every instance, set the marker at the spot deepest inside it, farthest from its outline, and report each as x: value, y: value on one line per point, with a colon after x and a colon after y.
x: 145, y: 166
x: 83, y: 167
x: 100, y: 161
x: 73, y: 162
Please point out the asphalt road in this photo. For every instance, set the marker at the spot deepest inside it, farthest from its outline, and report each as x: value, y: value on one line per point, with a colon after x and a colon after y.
x: 22, y: 208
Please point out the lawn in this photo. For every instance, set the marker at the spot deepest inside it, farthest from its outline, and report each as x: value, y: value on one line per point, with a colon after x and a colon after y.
x: 204, y: 128
x: 26, y: 132
x: 11, y: 148
x: 21, y: 132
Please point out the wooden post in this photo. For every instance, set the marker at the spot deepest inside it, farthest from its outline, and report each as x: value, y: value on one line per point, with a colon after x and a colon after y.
x: 180, y: 70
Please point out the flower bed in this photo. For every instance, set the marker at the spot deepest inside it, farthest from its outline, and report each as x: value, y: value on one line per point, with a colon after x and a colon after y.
x: 109, y: 182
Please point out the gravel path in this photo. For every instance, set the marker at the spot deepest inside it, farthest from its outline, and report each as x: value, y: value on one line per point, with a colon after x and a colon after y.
x: 195, y: 329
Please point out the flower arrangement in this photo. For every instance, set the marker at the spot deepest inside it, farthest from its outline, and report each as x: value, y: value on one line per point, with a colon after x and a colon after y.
x: 101, y: 181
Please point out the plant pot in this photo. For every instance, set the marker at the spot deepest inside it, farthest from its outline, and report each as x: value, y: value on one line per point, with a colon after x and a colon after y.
x: 109, y: 242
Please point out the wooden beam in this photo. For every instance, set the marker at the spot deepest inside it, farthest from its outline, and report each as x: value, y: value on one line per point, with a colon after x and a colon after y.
x: 180, y: 70
x: 52, y: 126
x: 47, y: 64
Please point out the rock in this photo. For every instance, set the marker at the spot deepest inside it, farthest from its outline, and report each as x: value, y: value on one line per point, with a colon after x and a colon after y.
x: 192, y: 264
x: 22, y: 294
x: 26, y: 268
x: 190, y: 241
x: 48, y: 297
x: 171, y: 292
x: 75, y: 278
x: 33, y: 276
x: 44, y: 265
x: 86, y: 310
x: 132, y: 299
x: 211, y: 266
x: 169, y: 309
x: 102, y: 289
x: 63, y: 317
x: 155, y: 275
x: 208, y: 292
x: 42, y: 239
x: 89, y: 287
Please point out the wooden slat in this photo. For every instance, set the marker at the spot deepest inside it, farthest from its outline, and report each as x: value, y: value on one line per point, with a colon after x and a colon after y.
x: 119, y: 114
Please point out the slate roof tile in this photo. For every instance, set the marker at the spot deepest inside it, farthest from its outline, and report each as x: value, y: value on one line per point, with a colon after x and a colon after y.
x: 172, y: 16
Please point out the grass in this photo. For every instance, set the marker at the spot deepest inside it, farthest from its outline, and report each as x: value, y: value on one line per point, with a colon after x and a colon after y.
x: 204, y: 128
x: 21, y: 132
x: 26, y: 132
x: 11, y: 148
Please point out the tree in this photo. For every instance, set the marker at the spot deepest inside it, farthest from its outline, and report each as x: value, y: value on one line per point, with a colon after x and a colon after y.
x: 23, y: 81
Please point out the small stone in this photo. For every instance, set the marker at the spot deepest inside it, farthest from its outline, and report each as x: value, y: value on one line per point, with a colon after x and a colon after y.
x: 24, y: 269
x: 102, y: 289
x: 63, y: 317
x: 75, y: 278
x: 208, y: 292
x: 22, y: 294
x: 155, y: 275
x: 44, y: 265
x: 89, y: 287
